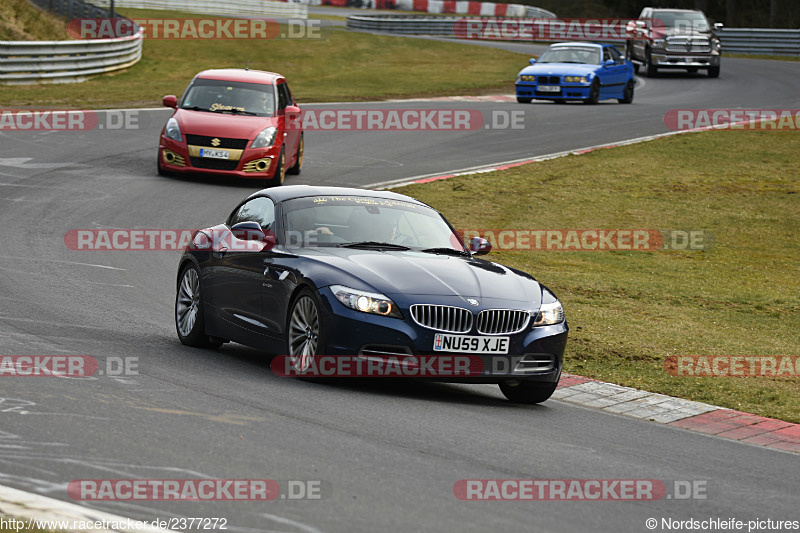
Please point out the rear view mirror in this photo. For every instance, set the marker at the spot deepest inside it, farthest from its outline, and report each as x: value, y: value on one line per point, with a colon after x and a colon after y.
x: 170, y: 101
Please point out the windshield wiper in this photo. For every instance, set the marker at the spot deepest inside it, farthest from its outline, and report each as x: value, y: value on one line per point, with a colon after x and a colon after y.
x: 375, y: 245
x: 447, y: 251
x: 241, y: 112
x: 197, y: 108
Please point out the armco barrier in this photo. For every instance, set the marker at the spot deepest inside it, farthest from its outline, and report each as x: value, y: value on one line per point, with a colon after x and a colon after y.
x: 734, y: 40
x: 760, y: 41
x: 227, y: 7
x: 447, y: 7
x: 26, y: 62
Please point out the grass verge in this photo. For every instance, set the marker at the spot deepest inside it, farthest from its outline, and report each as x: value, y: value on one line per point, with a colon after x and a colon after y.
x: 629, y: 310
x: 20, y: 21
x: 342, y: 66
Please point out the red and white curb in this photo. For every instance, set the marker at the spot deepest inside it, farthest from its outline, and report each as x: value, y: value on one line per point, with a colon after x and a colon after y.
x: 686, y: 414
x: 41, y: 512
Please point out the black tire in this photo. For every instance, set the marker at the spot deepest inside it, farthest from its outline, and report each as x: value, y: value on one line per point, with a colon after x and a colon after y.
x: 594, y: 93
x: 305, y: 335
x: 627, y: 97
x: 298, y: 162
x: 652, y: 70
x: 523, y: 100
x: 713, y: 72
x: 629, y: 56
x: 528, y: 392
x: 190, y: 321
x: 161, y: 171
x: 280, y: 173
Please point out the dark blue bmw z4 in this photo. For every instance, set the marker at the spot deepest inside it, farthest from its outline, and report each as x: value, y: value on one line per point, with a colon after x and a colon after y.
x: 308, y: 272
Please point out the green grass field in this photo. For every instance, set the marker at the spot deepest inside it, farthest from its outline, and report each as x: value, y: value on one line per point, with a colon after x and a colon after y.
x: 629, y: 310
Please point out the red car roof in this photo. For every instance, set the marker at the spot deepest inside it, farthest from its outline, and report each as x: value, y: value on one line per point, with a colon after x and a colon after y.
x: 242, y: 75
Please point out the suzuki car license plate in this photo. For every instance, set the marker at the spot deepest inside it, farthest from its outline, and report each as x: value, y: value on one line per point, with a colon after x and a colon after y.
x: 213, y: 154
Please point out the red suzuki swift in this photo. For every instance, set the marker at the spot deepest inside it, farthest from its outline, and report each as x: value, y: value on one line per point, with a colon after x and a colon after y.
x: 233, y: 122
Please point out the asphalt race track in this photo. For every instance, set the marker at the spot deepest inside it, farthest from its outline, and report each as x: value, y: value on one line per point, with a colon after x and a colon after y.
x: 387, y: 454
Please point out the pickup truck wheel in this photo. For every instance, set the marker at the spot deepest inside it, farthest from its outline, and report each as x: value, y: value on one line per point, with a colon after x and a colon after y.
x: 652, y: 70
x: 713, y: 72
x: 629, y: 57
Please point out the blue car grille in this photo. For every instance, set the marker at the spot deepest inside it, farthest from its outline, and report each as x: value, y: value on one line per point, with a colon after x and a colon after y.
x: 502, y: 321
x: 460, y: 320
x: 548, y: 80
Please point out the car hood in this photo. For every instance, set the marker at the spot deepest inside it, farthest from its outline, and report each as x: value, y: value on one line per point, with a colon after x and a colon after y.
x: 222, y: 124
x: 559, y: 69
x: 415, y: 273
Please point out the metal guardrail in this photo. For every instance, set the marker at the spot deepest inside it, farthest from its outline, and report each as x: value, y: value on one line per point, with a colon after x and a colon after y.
x: 227, y: 7
x: 734, y: 40
x: 27, y: 62
x: 760, y: 41
x: 404, y: 24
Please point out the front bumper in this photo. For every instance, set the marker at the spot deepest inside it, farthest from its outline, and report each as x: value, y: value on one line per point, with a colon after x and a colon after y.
x: 253, y: 163
x: 566, y: 92
x: 670, y: 60
x: 535, y: 354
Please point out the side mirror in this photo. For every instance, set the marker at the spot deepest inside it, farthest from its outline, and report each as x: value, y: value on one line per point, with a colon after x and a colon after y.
x: 718, y: 26
x: 248, y: 231
x: 292, y: 110
x: 170, y: 101
x: 479, y: 246
x: 608, y: 63
x: 532, y: 61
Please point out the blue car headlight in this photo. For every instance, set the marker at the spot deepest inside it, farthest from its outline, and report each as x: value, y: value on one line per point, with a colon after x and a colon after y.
x: 576, y: 79
x: 366, y: 302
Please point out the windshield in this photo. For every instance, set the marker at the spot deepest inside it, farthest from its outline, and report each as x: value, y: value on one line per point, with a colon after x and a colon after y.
x: 571, y: 54
x: 364, y: 221
x: 680, y: 20
x: 220, y: 96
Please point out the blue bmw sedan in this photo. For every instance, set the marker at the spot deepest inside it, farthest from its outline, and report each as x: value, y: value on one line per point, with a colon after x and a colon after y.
x: 306, y: 273
x: 577, y: 71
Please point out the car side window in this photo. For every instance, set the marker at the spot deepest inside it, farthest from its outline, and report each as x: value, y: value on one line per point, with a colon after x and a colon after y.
x: 615, y: 55
x: 289, y: 99
x: 606, y: 54
x: 282, y: 101
x: 260, y: 210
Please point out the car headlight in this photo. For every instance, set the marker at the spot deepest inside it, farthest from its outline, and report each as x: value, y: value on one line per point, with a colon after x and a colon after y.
x: 659, y: 43
x: 172, y: 130
x: 549, y: 313
x: 575, y: 79
x: 265, y: 138
x: 366, y: 302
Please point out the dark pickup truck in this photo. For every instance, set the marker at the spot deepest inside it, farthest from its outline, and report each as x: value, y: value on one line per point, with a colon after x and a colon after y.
x: 671, y: 39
